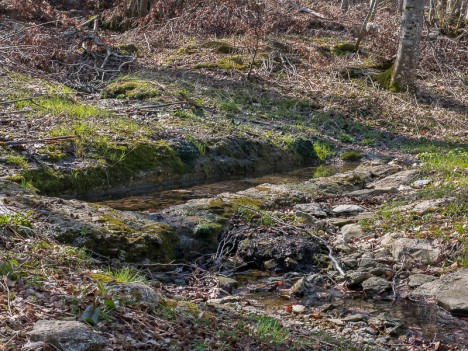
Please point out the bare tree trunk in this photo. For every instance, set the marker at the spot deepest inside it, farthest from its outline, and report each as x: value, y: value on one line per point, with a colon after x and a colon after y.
x: 370, y: 15
x: 138, y: 8
x: 408, y: 48
x: 344, y: 5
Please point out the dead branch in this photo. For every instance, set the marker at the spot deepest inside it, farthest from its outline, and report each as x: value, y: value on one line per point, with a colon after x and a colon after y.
x: 319, y: 239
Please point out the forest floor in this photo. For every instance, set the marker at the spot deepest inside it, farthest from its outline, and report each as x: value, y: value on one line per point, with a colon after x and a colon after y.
x: 188, y: 111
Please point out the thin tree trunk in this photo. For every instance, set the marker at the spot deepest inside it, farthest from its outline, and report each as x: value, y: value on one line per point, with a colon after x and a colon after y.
x: 363, y: 31
x: 138, y: 8
x: 408, y: 48
x: 344, y: 5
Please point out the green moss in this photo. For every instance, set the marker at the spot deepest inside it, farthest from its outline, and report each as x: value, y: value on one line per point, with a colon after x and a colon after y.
x: 168, y: 244
x: 384, y: 80
x: 118, y: 165
x: 221, y: 47
x: 17, y: 160
x: 114, y: 223
x: 342, y: 49
x: 351, y: 155
x: 208, y: 231
x: 187, y: 50
x: 131, y: 89
x: 229, y: 63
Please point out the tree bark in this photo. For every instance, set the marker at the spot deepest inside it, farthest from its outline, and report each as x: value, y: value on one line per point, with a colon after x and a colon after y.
x: 344, y: 5
x: 408, y: 47
x: 138, y: 8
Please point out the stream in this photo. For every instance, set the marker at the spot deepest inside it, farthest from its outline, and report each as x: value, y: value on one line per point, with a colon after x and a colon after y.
x: 359, y: 318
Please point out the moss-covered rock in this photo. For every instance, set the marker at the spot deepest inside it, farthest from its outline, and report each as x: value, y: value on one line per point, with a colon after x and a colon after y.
x: 131, y: 89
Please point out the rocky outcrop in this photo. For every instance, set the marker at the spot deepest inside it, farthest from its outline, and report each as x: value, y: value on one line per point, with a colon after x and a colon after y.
x: 450, y: 292
x: 67, y: 335
x: 395, y: 180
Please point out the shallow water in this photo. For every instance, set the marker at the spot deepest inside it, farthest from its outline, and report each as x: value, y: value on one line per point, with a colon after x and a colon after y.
x: 158, y: 200
x: 419, y: 320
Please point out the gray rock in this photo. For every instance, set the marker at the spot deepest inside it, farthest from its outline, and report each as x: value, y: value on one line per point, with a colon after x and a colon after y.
x: 67, y: 335
x: 450, y: 291
x: 366, y: 194
x: 227, y: 284
x: 356, y: 278
x: 354, y: 318
x: 351, y: 231
x: 421, y: 183
x: 134, y: 294
x: 416, y: 280
x: 424, y: 250
x: 347, y: 209
x: 376, y: 285
x: 312, y: 209
x: 429, y: 205
x: 395, y: 180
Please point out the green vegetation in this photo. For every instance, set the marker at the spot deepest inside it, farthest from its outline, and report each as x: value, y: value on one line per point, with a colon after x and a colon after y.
x: 60, y: 106
x: 351, y: 156
x: 323, y: 150
x: 270, y: 329
x: 343, y: 49
x: 235, y: 62
x: 131, y: 89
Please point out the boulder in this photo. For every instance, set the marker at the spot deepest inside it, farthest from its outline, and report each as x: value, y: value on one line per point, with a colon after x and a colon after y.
x: 395, y: 180
x: 351, y: 231
x: 424, y: 250
x: 450, y: 291
x: 429, y: 205
x: 347, y: 209
x: 67, y: 335
x: 134, y: 294
x: 376, y: 285
x: 227, y: 284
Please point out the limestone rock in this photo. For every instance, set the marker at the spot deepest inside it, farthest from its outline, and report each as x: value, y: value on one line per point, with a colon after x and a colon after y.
x: 347, y: 209
x: 350, y: 231
x: 227, y: 284
x: 366, y: 194
x: 67, y: 335
x: 429, y: 205
x: 424, y: 250
x: 312, y: 209
x: 134, y: 293
x: 376, y: 285
x: 395, y: 180
x: 421, y: 183
x: 416, y: 280
x: 450, y: 291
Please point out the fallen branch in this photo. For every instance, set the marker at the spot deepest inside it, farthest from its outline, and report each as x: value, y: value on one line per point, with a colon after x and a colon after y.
x: 33, y: 141
x: 319, y: 239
